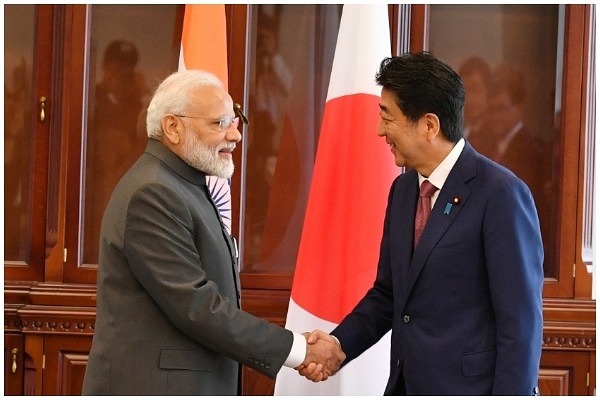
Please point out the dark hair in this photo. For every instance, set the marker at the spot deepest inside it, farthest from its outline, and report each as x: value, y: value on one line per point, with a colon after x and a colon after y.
x: 476, y: 66
x: 424, y: 84
x: 122, y: 53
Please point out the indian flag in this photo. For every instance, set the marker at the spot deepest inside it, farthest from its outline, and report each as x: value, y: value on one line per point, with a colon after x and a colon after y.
x: 204, y: 46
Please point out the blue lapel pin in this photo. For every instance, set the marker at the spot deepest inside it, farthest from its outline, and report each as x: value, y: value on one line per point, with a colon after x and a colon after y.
x: 448, y: 208
x: 455, y: 200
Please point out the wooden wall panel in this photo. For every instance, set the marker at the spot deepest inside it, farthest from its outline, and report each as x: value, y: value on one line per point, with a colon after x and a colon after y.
x: 564, y: 373
x: 65, y: 362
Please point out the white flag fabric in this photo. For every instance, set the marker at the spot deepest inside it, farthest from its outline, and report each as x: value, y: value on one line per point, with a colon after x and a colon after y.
x: 353, y: 171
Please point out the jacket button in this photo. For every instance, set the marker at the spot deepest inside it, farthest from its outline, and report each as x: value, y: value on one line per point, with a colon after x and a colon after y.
x: 406, y: 319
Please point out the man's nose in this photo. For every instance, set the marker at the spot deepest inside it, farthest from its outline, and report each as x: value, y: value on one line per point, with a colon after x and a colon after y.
x: 233, y: 134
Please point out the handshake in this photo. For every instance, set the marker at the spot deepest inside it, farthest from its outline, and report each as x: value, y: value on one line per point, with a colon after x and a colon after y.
x: 323, y: 356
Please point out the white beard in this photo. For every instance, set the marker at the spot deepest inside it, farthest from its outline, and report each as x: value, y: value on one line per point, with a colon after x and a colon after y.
x: 206, y: 158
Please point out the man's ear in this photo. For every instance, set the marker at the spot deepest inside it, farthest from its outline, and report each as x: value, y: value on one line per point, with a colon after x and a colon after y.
x: 432, y: 125
x: 172, y: 128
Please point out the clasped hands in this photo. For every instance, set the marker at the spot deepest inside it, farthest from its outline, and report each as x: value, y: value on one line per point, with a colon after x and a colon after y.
x: 323, y: 356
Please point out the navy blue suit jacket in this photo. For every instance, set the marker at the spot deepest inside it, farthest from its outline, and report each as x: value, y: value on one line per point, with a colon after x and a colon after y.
x: 465, y: 308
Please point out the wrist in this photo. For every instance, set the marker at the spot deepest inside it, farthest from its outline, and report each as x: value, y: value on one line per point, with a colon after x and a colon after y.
x: 337, y: 341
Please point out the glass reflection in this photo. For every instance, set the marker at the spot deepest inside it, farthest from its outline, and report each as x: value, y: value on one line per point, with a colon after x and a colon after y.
x: 289, y: 77
x: 19, y: 23
x: 507, y: 56
x: 124, y: 65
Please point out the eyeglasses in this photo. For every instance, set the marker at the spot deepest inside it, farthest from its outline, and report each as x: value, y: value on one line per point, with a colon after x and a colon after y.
x: 222, y: 123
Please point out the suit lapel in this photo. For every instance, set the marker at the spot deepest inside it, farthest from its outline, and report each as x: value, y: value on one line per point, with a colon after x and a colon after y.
x: 447, y: 208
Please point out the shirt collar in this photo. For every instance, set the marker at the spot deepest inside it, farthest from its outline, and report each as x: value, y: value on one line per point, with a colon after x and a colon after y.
x: 440, y: 173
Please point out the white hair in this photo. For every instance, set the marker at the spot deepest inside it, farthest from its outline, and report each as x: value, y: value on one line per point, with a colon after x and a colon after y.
x: 173, y: 97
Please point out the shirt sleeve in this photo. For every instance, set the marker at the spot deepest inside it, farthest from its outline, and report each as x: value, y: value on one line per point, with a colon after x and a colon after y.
x: 297, y: 353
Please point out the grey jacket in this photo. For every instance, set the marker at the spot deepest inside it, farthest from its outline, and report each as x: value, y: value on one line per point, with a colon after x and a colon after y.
x: 168, y: 308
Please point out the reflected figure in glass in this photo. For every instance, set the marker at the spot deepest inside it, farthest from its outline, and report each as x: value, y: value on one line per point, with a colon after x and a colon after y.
x: 116, y: 134
x: 17, y: 115
x: 476, y: 75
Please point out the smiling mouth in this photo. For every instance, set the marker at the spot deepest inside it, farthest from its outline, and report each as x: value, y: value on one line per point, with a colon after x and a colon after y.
x: 226, y: 152
x: 228, y: 149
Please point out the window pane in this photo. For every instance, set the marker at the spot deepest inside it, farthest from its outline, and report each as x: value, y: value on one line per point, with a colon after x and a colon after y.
x: 509, y: 57
x: 125, y: 64
x: 289, y: 77
x: 19, y: 22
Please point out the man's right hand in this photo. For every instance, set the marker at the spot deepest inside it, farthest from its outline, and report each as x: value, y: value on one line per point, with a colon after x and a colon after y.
x: 323, y: 356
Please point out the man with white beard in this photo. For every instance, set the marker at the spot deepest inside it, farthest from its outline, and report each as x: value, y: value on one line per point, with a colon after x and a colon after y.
x: 168, y: 318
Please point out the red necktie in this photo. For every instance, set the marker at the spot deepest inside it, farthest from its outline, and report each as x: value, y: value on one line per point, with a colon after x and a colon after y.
x: 423, y: 208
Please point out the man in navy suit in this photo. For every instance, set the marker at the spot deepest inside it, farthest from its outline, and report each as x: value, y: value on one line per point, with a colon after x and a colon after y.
x: 464, y: 303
